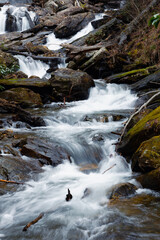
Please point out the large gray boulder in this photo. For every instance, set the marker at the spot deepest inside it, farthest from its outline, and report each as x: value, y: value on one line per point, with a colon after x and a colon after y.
x: 70, y: 84
x: 72, y: 24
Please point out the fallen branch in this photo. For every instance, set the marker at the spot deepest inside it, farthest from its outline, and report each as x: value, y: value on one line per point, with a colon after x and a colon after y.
x: 116, y: 133
x: 44, y: 59
x: 134, y: 114
x: 75, y: 49
x: 109, y: 168
x: 33, y: 222
x: 12, y: 182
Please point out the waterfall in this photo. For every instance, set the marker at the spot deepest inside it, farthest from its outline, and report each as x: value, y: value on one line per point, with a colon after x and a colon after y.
x: 33, y: 67
x: 16, y: 19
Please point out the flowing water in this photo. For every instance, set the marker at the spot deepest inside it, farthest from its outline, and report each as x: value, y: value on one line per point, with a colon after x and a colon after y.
x: 82, y: 129
x: 22, y: 17
x: 33, y: 67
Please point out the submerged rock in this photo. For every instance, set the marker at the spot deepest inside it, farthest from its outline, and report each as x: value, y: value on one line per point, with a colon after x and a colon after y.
x: 147, y: 156
x: 70, y: 84
x: 122, y: 190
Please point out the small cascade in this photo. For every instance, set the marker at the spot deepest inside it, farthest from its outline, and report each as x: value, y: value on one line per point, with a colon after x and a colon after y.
x: 16, y: 19
x: 33, y: 67
x: 54, y: 43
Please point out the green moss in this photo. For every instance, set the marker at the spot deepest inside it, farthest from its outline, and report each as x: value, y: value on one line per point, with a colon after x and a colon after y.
x: 148, y: 121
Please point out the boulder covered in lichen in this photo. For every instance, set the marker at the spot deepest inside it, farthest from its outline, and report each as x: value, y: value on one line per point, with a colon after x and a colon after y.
x: 146, y: 128
x: 147, y: 156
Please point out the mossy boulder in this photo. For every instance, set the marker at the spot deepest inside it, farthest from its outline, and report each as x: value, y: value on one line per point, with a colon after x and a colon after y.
x: 146, y: 128
x: 41, y: 86
x: 150, y: 180
x: 24, y: 96
x: 96, y: 36
x: 122, y: 190
x: 128, y: 77
x: 70, y: 84
x: 147, y: 156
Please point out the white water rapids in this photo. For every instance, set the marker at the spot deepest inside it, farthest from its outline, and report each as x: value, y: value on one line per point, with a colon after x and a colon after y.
x: 80, y: 219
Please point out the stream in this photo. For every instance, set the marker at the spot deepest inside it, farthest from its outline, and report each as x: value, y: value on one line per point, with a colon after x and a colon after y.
x: 84, y: 129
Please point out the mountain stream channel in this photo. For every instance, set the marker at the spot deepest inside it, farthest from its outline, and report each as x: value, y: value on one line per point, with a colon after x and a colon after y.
x: 79, y: 127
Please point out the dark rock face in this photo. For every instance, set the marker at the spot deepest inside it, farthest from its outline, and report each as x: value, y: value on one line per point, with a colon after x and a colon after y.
x: 151, y: 81
x: 21, y: 115
x: 72, y: 24
x: 70, y: 84
x: 46, y: 153
x: 150, y: 180
x: 11, y: 23
x: 147, y: 156
x: 122, y: 190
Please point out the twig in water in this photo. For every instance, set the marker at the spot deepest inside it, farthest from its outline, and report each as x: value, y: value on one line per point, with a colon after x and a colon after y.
x: 13, y: 182
x: 33, y: 222
x: 116, y: 133
x: 109, y: 168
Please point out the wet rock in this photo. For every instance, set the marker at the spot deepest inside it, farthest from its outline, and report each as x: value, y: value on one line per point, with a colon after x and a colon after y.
x: 151, y: 81
x: 122, y: 190
x: 72, y: 24
x: 47, y: 153
x: 23, y: 96
x: 145, y: 129
x: 21, y: 115
x: 147, y: 156
x: 11, y: 22
x: 145, y: 95
x: 98, y: 23
x: 15, y: 169
x: 26, y: 117
x: 86, y: 193
x: 73, y: 85
x: 150, y: 180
